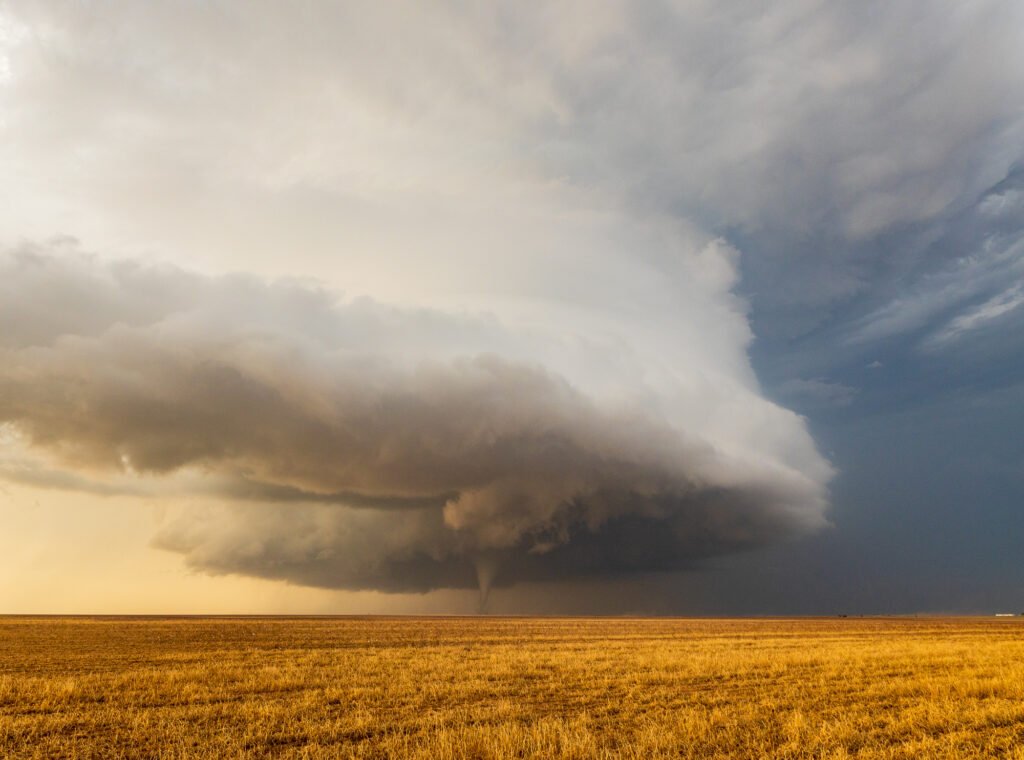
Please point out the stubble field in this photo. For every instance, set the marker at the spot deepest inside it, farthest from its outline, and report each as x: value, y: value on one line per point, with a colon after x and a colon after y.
x: 510, y: 687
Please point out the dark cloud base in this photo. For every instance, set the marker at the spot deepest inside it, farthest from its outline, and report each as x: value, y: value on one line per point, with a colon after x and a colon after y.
x: 622, y: 546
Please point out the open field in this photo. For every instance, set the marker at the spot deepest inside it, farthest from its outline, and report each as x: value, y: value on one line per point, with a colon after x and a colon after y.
x: 510, y: 687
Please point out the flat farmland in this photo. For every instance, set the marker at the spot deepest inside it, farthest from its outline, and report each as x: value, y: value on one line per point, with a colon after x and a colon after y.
x: 496, y: 687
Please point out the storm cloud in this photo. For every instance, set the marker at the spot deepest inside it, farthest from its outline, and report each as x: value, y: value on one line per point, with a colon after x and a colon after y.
x: 356, y: 459
x: 413, y: 295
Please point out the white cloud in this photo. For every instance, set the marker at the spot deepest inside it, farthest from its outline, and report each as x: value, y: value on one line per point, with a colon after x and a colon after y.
x: 997, y: 262
x: 12, y: 33
x: 978, y: 317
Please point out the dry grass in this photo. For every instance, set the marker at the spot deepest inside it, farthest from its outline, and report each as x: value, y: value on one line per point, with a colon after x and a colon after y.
x: 510, y: 687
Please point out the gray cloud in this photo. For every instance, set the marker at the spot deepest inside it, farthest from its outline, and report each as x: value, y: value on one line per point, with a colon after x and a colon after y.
x: 416, y: 550
x: 43, y: 297
x: 856, y: 118
x: 389, y: 471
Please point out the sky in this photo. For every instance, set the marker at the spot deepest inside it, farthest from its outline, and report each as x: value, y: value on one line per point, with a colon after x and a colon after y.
x: 699, y: 308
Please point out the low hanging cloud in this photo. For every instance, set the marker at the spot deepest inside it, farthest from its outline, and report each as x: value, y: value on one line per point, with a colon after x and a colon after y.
x: 349, y: 444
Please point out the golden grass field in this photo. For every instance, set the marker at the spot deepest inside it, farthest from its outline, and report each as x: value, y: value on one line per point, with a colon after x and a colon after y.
x: 494, y: 687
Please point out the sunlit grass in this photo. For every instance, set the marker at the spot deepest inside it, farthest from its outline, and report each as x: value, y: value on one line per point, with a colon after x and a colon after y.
x: 511, y: 687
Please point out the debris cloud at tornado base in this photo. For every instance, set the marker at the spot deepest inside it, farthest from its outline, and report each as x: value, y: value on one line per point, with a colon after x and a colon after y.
x: 350, y: 444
